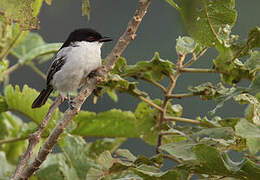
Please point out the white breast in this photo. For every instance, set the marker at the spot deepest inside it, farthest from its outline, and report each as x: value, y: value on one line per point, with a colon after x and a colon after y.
x: 81, y: 59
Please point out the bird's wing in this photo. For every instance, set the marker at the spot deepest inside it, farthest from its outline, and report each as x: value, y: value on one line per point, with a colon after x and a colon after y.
x: 56, y: 65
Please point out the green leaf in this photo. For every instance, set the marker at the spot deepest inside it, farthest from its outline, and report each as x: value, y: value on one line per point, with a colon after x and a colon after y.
x: 223, y: 133
x: 255, y: 85
x: 6, y: 168
x: 21, y: 101
x: 56, y: 167
x: 246, y: 98
x: 208, y: 21
x: 185, y: 45
x: 75, y: 149
x: 3, y: 66
x: 126, y: 154
x: 105, y: 144
x: 21, y: 12
x: 86, y: 8
x: 113, y: 123
x: 146, y: 121
x: 251, y: 132
x: 155, y: 69
x: 40, y: 51
x: 181, y: 150
x: 253, y: 63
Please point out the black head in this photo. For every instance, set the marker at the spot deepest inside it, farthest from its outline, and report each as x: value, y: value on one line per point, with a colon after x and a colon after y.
x: 85, y: 34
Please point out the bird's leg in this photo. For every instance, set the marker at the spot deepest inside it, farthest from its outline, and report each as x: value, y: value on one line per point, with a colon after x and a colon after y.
x: 70, y: 102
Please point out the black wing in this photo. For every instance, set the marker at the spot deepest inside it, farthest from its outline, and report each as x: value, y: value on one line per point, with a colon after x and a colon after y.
x: 55, y: 67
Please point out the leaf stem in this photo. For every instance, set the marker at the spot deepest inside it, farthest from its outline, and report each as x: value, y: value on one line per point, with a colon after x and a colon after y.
x: 168, y: 156
x: 180, y: 96
x: 173, y: 4
x: 195, y: 57
x: 150, y: 103
x: 184, y: 120
x: 11, y: 46
x: 198, y: 70
x: 156, y: 84
x: 173, y: 78
x: 10, y: 70
x: 37, y: 70
x: 5, y: 141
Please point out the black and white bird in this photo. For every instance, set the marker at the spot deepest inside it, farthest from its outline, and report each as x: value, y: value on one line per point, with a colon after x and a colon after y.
x: 76, y: 59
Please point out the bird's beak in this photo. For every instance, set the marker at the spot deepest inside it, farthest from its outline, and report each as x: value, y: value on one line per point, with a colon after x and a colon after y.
x: 105, y: 39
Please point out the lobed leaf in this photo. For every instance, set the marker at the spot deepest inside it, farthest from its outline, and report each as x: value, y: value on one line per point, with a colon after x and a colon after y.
x: 185, y: 45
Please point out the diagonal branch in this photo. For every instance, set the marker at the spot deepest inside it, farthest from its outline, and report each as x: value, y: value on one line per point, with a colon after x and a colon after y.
x: 34, y: 138
x: 120, y: 46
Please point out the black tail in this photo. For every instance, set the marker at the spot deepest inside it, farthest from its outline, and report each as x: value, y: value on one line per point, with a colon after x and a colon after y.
x: 42, y: 98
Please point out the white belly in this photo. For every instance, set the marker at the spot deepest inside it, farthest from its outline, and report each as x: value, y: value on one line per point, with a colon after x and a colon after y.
x: 80, y: 61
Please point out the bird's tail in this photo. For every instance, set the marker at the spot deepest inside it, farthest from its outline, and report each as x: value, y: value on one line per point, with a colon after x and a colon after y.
x: 42, y: 98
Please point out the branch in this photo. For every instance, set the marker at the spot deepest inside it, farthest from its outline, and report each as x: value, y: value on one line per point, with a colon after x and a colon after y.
x: 10, y: 70
x: 184, y: 120
x: 11, y: 46
x: 195, y: 57
x: 4, y: 141
x: 69, y: 114
x: 156, y: 84
x: 150, y: 102
x: 198, y: 70
x: 180, y: 96
x: 34, y: 138
x: 173, y: 79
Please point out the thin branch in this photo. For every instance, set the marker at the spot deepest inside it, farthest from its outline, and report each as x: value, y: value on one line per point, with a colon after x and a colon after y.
x: 69, y: 114
x: 34, y: 138
x: 173, y: 79
x: 37, y: 70
x: 180, y: 96
x: 195, y: 57
x: 156, y: 84
x: 198, y: 70
x: 184, y: 120
x: 10, y: 70
x: 150, y: 102
x: 5, y: 141
x: 11, y: 46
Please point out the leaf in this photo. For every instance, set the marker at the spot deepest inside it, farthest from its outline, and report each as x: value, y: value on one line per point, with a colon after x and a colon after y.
x: 6, y: 168
x: 112, y: 123
x: 56, y: 167
x: 155, y: 69
x: 86, y: 8
x: 126, y: 154
x: 75, y: 149
x: 255, y: 85
x: 105, y: 144
x: 3, y: 66
x: 40, y: 51
x: 21, y: 101
x: 254, y: 106
x: 146, y: 122
x: 208, y: 91
x: 21, y: 12
x: 253, y: 63
x: 208, y: 21
x: 185, y: 45
x: 251, y: 132
x: 181, y: 150
x: 48, y: 2
x: 223, y: 133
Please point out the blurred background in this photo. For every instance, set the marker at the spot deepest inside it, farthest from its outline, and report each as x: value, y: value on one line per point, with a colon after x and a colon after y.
x: 157, y: 32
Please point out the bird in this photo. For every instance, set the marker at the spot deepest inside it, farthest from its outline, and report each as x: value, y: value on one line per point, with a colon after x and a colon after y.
x: 79, y: 55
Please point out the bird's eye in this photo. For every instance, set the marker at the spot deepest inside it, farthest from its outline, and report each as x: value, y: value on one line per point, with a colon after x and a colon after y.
x: 91, y: 38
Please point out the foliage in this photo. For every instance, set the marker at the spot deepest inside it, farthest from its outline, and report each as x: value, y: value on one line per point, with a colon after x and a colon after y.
x: 202, y: 149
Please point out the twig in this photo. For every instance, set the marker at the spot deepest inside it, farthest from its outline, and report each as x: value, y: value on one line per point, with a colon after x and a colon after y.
x: 35, y: 138
x: 150, y: 102
x: 198, y: 70
x: 173, y: 79
x: 180, y: 119
x: 37, y: 70
x: 11, y: 46
x: 195, y: 57
x: 10, y: 70
x: 69, y: 114
x: 172, y: 158
x: 5, y: 141
x: 180, y: 96
x: 156, y: 84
